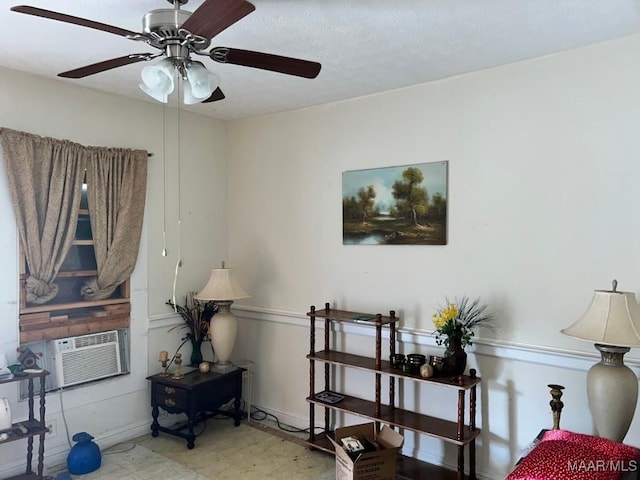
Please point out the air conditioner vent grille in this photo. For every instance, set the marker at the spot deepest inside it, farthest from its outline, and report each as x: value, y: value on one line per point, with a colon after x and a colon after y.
x: 87, y: 358
x: 95, y: 339
x: 103, y: 364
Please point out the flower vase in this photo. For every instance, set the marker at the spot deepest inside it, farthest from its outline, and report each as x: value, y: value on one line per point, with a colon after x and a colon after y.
x: 196, y: 352
x: 455, y: 360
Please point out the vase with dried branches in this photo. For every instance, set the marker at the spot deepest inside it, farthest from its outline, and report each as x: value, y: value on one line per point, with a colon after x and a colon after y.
x: 197, y: 319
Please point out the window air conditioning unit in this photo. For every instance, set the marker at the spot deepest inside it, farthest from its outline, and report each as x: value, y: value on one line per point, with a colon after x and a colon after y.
x: 87, y: 357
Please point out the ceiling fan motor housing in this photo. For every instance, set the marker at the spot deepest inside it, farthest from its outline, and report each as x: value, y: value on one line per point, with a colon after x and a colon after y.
x: 164, y: 22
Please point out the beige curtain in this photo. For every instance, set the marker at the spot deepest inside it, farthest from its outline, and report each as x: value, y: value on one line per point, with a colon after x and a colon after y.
x: 116, y: 185
x: 45, y: 182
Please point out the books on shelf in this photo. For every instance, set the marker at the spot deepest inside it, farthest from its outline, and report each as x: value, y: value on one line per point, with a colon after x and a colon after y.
x: 329, y: 397
x: 365, y: 318
x: 5, y: 374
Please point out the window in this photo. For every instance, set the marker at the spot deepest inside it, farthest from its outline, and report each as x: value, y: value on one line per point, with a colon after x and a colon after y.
x: 68, y: 314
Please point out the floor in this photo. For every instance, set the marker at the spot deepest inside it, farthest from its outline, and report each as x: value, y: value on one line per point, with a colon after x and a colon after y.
x: 254, y: 450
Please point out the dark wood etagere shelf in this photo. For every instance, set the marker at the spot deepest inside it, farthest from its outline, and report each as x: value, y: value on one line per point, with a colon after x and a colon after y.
x: 33, y: 427
x: 462, y: 435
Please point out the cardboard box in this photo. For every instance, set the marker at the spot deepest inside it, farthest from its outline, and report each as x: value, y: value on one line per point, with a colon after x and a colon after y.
x: 369, y: 465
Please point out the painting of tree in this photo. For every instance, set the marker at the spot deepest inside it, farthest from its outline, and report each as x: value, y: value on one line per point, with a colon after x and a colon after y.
x: 404, y: 205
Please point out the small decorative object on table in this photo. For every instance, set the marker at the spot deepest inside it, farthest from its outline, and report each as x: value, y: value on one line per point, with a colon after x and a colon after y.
x: 164, y: 360
x: 437, y: 363
x: 455, y: 325
x: 197, y: 318
x: 415, y: 361
x: 177, y: 375
x: 397, y: 359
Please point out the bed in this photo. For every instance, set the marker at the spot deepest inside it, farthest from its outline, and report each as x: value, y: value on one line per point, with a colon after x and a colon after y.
x: 558, y: 454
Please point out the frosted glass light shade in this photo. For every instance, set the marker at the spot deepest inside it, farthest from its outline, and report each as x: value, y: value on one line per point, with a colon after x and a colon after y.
x: 221, y: 286
x: 613, y: 318
x: 202, y: 82
x: 157, y: 80
x: 188, y: 97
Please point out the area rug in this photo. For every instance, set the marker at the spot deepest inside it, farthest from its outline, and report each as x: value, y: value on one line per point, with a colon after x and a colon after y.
x: 222, y: 452
x: 138, y: 463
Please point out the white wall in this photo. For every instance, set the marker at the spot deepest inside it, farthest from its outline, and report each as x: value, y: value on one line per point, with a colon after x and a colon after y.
x: 543, y: 202
x: 118, y: 409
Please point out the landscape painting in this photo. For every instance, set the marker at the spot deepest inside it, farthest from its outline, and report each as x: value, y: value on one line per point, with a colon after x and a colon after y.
x: 404, y: 205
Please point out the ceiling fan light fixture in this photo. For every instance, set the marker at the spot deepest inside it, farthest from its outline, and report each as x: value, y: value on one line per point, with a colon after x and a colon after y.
x: 157, y: 80
x: 201, y: 81
x: 177, y: 34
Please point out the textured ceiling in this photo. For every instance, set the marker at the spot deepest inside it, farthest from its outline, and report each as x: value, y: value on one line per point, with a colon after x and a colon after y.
x: 364, y: 46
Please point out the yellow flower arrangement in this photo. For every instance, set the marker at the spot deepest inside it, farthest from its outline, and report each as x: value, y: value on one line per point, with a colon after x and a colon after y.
x: 455, y: 322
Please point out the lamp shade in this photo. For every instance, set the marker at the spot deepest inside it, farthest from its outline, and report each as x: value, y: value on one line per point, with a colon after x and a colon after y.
x: 221, y: 286
x: 613, y: 318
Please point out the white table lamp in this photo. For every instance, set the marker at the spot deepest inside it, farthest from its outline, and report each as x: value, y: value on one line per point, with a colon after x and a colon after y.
x: 612, y: 322
x: 222, y: 289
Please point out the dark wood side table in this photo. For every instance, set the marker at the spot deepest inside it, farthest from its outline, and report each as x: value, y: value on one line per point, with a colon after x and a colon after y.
x: 198, y: 395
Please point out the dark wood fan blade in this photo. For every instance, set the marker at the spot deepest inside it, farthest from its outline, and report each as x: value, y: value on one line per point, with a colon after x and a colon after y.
x: 214, y: 16
x: 266, y: 61
x: 61, y: 17
x: 215, y: 96
x: 107, y: 65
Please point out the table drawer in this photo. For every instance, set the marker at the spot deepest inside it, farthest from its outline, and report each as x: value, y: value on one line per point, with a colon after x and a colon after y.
x: 170, y: 397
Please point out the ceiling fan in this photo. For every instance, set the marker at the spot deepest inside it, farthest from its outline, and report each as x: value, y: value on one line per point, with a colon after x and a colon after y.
x: 179, y: 34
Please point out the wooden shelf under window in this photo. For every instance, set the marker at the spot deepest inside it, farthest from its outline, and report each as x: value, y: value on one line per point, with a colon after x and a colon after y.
x: 41, y: 326
x: 69, y: 306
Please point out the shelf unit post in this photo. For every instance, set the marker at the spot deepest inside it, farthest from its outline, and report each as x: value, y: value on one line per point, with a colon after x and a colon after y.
x: 312, y: 371
x: 460, y: 434
x: 42, y: 415
x: 327, y: 328
x: 378, y: 362
x: 460, y: 430
x: 392, y: 351
x: 472, y: 427
x: 30, y: 439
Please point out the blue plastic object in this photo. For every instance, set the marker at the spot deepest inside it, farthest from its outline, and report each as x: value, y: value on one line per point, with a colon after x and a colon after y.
x: 85, y: 456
